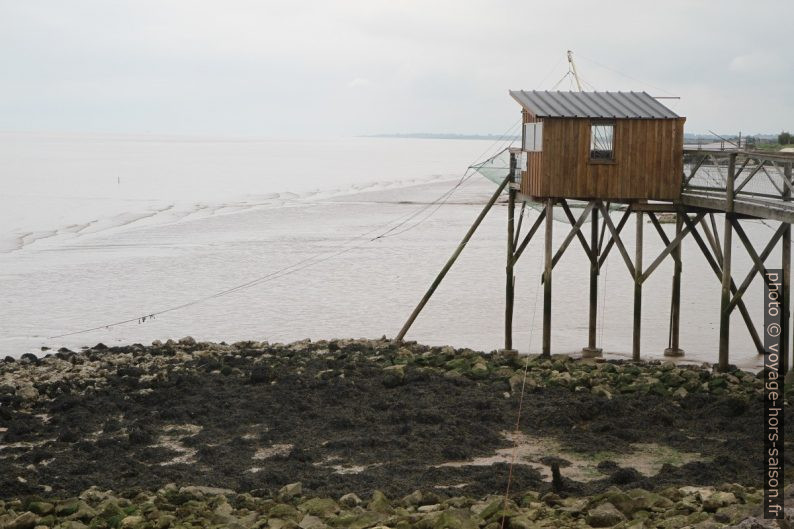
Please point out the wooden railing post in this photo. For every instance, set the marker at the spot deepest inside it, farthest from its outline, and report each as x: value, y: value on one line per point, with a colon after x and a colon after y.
x: 510, y: 277
x: 725, y: 312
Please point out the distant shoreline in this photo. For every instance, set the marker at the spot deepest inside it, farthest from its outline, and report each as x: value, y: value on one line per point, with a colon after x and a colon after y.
x: 440, y: 136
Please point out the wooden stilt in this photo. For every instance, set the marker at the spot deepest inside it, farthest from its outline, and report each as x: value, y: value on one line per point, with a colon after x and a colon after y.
x: 725, y: 312
x: 635, y: 349
x: 451, y: 261
x: 547, y: 279
x: 592, y: 350
x: 673, y: 348
x: 509, y: 277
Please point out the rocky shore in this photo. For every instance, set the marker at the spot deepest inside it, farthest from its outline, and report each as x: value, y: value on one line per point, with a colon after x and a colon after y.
x: 372, y: 433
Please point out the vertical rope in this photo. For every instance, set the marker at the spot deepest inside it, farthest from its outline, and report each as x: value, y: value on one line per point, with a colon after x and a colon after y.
x: 517, y: 429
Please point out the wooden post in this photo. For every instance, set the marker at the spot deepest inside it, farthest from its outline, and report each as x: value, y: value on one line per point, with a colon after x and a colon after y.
x: 592, y: 350
x: 673, y: 348
x: 510, y: 278
x: 786, y: 265
x: 547, y: 279
x: 635, y: 349
x: 725, y: 313
x: 451, y: 261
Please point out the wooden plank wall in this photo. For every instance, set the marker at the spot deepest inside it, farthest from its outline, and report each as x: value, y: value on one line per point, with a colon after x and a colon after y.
x: 648, y: 161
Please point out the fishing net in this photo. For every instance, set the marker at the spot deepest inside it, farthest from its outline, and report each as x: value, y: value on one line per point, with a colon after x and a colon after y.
x: 497, y: 168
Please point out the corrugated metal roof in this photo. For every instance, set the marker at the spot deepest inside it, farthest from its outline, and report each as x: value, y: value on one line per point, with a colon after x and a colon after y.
x: 606, y: 105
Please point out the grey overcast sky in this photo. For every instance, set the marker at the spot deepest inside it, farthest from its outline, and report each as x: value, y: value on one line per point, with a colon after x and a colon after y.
x: 307, y: 68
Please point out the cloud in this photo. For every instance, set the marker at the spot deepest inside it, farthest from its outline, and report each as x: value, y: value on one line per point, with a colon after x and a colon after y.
x: 359, y: 82
x: 760, y: 62
x: 280, y: 67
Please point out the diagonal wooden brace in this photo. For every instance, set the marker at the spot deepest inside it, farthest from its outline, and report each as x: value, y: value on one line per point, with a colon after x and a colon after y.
x: 616, y: 238
x: 758, y: 260
x: 672, y: 245
x: 717, y: 268
x: 529, y: 235
x: 611, y: 241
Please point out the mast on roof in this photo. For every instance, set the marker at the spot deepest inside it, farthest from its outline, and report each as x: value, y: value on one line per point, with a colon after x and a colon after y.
x: 572, y: 68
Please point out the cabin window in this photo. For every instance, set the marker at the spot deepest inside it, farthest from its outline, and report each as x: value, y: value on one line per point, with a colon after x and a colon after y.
x: 601, y: 136
x: 533, y: 137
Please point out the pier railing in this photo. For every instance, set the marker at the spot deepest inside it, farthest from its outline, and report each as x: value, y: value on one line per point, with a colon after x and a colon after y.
x: 761, y: 183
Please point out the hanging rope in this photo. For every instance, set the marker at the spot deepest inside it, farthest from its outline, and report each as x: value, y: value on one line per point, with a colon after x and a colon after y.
x: 517, y: 430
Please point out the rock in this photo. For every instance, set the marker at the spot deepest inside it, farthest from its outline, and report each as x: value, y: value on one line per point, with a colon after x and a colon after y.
x: 413, y: 499
x: 84, y: 512
x: 26, y: 520
x: 187, y: 341
x: 42, y: 508
x: 680, y: 393
x: 132, y: 522
x: 521, y: 522
x: 29, y: 358
x: 350, y: 500
x: 72, y: 524
x: 322, y: 507
x: 394, y: 376
x: 454, y: 519
x: 755, y: 523
x: 479, y: 370
x: 605, y: 515
x: 673, y: 522
x: 199, y: 492
x: 717, y: 500
x: 311, y: 522
x: 27, y: 392
x: 287, y: 492
x: 261, y: 375
x: 379, y: 503
x: 601, y: 391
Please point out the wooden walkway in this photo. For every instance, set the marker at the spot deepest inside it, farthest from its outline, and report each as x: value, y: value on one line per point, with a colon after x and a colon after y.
x: 748, y: 184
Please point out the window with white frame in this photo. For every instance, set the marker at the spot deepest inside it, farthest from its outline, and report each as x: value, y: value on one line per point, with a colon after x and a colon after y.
x: 533, y: 137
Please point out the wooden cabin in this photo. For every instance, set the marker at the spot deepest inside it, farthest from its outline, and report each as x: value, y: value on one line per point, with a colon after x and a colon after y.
x: 619, y: 146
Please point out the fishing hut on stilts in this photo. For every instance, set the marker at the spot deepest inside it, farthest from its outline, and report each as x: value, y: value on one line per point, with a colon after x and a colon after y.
x: 624, y: 152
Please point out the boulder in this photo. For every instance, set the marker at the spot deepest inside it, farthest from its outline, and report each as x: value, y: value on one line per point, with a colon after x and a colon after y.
x: 454, y: 519
x: 42, y: 508
x: 394, y: 376
x: 27, y: 392
x: 605, y: 515
x: 717, y: 500
x: 479, y: 370
x: 287, y: 492
x: 322, y: 507
x: 379, y: 503
x: 311, y: 522
x: 350, y: 500
x: 132, y: 522
x: 601, y: 391
x: 26, y: 520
